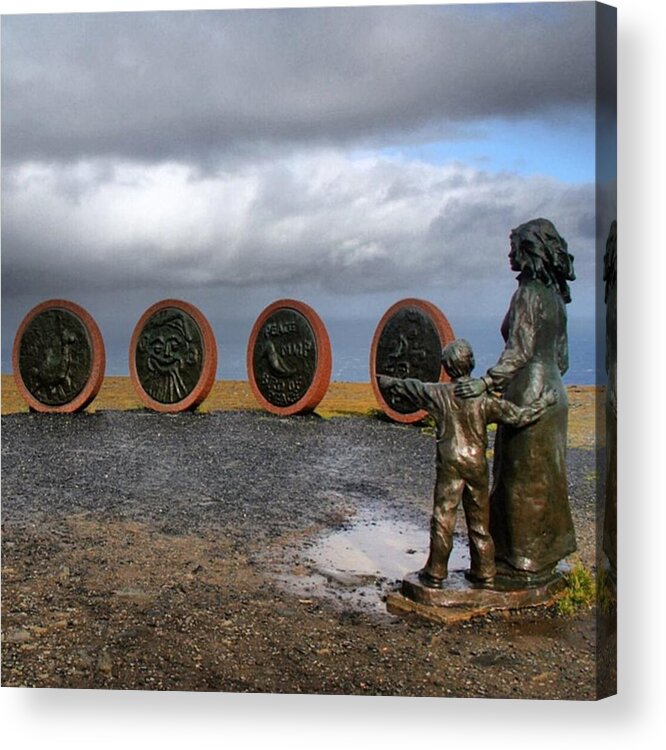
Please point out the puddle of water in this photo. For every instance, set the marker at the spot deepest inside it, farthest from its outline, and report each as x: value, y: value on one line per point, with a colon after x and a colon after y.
x: 358, y: 565
x: 384, y: 548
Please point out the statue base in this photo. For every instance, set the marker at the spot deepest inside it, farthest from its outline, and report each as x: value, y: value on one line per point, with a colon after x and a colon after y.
x: 460, y: 599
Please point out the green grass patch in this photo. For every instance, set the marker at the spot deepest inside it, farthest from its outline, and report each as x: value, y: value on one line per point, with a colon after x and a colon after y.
x: 606, y: 597
x: 428, y: 426
x: 580, y: 592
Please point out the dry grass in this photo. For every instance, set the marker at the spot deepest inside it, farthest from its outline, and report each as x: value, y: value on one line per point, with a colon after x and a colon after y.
x: 342, y: 399
x: 587, y: 416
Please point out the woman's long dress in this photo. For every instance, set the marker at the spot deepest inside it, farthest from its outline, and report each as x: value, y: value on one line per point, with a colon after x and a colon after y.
x: 530, y: 520
x: 610, y: 507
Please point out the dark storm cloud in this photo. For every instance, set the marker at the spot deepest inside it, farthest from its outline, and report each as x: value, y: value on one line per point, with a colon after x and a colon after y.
x: 196, y: 86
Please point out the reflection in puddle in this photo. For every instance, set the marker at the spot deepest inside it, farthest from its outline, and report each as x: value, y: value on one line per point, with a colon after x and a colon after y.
x: 359, y: 564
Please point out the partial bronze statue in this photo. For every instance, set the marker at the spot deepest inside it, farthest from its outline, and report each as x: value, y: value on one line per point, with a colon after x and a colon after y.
x: 530, y: 517
x: 462, y: 468
x: 610, y: 507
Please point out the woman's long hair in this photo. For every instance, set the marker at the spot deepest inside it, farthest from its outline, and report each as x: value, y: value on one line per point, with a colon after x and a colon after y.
x: 542, y: 254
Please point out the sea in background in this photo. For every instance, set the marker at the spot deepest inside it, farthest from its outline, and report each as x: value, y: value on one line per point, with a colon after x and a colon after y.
x: 350, y: 343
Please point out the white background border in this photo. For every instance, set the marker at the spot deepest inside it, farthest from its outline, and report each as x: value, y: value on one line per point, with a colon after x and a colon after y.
x: 634, y: 719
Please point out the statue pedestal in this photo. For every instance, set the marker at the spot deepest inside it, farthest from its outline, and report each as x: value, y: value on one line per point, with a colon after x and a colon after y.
x: 461, y: 600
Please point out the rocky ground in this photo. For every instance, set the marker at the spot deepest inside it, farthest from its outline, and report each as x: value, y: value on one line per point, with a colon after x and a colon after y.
x: 148, y: 551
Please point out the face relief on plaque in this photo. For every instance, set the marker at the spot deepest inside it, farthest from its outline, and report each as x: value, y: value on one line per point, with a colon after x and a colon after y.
x: 173, y: 356
x: 169, y: 356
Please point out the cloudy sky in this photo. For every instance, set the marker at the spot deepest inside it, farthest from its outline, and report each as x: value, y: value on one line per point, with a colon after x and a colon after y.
x: 347, y: 157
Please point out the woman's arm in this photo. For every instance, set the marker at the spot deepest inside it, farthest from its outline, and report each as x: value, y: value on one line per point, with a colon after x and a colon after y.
x: 505, y: 412
x: 519, y: 347
x: 518, y: 350
x: 563, y: 352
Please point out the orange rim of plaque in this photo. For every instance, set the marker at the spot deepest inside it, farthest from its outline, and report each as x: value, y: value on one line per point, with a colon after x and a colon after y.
x: 97, y: 366
x: 208, y: 369
x: 322, y: 375
x: 446, y: 336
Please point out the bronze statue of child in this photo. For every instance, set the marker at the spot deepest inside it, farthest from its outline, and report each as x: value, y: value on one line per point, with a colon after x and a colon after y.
x: 462, y: 468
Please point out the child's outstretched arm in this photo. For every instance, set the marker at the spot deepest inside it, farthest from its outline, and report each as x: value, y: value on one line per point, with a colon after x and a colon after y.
x: 413, y: 390
x: 506, y: 412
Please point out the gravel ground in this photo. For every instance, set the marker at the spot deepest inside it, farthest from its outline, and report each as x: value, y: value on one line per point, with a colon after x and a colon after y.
x: 141, y: 551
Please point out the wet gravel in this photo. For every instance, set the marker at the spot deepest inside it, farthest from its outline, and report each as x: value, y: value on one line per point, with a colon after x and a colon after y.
x: 136, y: 551
x: 254, y: 475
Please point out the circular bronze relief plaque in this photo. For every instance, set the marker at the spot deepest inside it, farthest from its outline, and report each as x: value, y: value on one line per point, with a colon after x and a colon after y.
x: 58, y: 357
x: 408, y: 343
x: 289, y: 358
x: 173, y: 357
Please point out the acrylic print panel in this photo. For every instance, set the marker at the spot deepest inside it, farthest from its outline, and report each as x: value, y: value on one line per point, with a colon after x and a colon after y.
x: 459, y: 155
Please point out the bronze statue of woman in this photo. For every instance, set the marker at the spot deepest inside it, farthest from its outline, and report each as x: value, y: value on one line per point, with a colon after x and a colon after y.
x: 530, y: 520
x: 610, y: 506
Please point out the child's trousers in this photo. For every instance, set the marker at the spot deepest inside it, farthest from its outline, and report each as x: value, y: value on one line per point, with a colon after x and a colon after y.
x: 449, y: 490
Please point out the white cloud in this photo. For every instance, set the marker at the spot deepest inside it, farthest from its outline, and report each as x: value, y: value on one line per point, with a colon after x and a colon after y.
x: 342, y: 223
